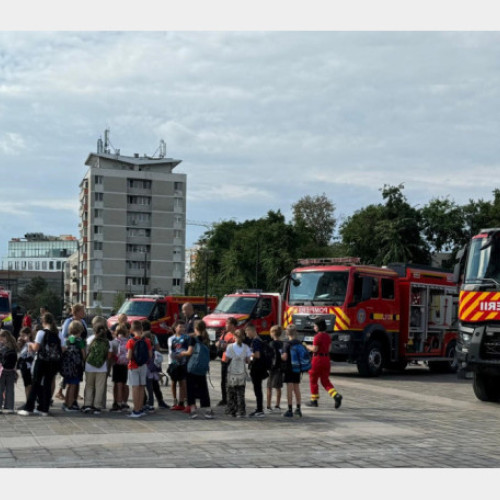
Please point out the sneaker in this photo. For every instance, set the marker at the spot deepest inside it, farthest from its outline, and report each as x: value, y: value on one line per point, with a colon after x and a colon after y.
x: 298, y: 413
x: 24, y: 413
x: 163, y: 405
x: 269, y: 409
x: 257, y: 413
x: 125, y: 406
x: 115, y: 407
x: 148, y: 408
x: 187, y: 409
x: 65, y: 407
x: 193, y: 414
x: 136, y: 414
x: 74, y: 407
x: 86, y: 409
x: 209, y: 414
x: 241, y: 415
x: 338, y: 400
x: 288, y: 414
x: 178, y: 408
x: 96, y: 411
x: 41, y: 413
x: 222, y: 403
x: 312, y: 404
x: 277, y: 408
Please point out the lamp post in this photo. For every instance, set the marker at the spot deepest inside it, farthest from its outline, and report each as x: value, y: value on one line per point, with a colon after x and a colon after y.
x: 206, y: 252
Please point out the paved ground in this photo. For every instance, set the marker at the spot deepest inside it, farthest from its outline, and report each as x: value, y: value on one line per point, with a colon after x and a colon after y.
x: 410, y: 420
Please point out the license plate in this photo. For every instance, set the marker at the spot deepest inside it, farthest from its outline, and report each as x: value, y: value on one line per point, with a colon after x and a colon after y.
x: 211, y: 334
x: 308, y: 339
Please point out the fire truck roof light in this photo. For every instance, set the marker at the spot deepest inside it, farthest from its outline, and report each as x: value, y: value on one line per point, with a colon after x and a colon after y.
x: 250, y: 290
x: 347, y: 261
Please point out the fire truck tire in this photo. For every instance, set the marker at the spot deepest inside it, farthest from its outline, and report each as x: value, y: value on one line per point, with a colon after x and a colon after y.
x: 372, y: 360
x: 446, y: 366
x: 486, y: 388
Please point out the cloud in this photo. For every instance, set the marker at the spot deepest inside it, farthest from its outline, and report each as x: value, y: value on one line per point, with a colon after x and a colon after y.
x: 11, y: 143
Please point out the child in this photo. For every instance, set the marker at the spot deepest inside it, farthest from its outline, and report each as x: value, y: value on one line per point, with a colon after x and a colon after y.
x: 25, y: 359
x: 153, y: 377
x: 275, y: 380
x: 8, y: 374
x: 120, y: 369
x: 292, y: 379
x: 238, y: 355
x: 72, y: 365
x: 177, y: 368
x: 258, y: 371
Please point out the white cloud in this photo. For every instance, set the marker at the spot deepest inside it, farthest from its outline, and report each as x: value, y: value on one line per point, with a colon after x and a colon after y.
x: 11, y: 143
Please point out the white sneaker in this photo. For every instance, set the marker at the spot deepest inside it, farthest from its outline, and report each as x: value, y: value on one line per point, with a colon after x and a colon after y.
x: 41, y: 413
x: 209, y: 414
x: 24, y: 413
x: 269, y: 410
x: 193, y: 414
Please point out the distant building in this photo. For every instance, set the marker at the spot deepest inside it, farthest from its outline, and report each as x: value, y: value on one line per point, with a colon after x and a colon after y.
x: 38, y: 252
x: 191, y: 255
x: 132, y: 229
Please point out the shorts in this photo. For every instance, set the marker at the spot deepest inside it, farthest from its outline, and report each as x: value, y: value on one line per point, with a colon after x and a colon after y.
x: 275, y: 380
x: 292, y: 377
x: 177, y: 372
x: 72, y: 380
x: 137, y: 376
x: 120, y: 374
x: 27, y: 379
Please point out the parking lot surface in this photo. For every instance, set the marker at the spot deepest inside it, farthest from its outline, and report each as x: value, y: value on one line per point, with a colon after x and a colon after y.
x: 415, y: 419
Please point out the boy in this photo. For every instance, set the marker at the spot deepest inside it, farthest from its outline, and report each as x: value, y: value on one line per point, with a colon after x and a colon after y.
x: 177, y: 368
x: 226, y: 338
x: 258, y: 371
x: 73, y: 365
x: 137, y: 372
x: 275, y: 380
x: 292, y: 379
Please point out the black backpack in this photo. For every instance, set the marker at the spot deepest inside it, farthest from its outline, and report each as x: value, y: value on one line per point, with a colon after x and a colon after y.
x: 50, y: 350
x: 140, y: 353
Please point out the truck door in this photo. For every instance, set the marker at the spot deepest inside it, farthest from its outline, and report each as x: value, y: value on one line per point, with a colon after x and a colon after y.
x: 263, y: 315
x: 365, y: 298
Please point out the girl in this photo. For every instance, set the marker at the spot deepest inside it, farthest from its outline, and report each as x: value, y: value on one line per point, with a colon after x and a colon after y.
x: 47, y: 345
x: 73, y: 364
x: 8, y: 360
x: 120, y: 369
x: 153, y: 378
x: 197, y: 384
x: 177, y: 368
x: 25, y: 360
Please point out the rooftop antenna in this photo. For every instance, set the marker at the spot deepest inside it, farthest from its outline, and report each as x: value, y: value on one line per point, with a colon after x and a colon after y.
x: 161, y: 150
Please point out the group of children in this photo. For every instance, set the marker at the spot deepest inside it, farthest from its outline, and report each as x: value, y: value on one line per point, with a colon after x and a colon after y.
x: 130, y: 355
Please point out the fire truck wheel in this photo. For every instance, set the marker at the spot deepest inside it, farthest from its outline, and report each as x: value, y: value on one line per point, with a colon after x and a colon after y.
x: 372, y: 360
x: 446, y: 366
x: 486, y: 388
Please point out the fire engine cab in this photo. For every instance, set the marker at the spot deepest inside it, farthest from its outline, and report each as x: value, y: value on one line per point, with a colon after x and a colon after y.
x: 163, y: 311
x: 378, y: 317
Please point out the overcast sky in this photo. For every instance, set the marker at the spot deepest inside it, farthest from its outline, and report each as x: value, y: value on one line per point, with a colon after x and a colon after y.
x: 259, y: 119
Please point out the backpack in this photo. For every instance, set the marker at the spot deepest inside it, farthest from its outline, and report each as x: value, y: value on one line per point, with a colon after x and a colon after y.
x: 276, y: 356
x: 237, y: 371
x: 50, y: 350
x: 121, y: 355
x: 158, y: 360
x: 300, y: 359
x: 140, y: 353
x: 98, y: 352
x: 199, y: 361
x: 72, y: 362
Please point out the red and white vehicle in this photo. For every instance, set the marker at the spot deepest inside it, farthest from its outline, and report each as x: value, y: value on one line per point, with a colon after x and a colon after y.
x: 5, y: 308
x: 378, y: 317
x: 162, y: 311
x: 261, y: 309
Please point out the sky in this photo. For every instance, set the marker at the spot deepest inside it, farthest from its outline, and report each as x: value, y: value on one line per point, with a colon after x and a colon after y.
x: 259, y: 118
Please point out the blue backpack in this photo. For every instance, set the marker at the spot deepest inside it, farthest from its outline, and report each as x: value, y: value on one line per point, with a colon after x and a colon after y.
x: 199, y: 361
x: 299, y: 356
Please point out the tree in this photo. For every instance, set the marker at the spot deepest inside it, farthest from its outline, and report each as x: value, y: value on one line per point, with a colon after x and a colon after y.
x: 37, y: 294
x: 118, y: 300
x: 316, y: 214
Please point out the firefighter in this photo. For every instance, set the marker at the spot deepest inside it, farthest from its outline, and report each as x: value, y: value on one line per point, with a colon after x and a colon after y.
x: 320, y: 367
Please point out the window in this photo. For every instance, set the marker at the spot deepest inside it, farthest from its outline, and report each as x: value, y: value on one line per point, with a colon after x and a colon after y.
x: 58, y: 265
x: 51, y: 265
x: 98, y: 212
x: 97, y: 245
x: 139, y: 200
x: 97, y: 229
x: 44, y: 265
x: 365, y: 288
x: 139, y: 183
x: 98, y: 196
x: 176, y: 282
x: 387, y: 288
x: 98, y: 179
x: 264, y: 308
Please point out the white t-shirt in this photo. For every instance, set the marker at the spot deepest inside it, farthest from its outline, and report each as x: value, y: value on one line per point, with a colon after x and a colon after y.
x: 92, y: 369
x: 239, y: 350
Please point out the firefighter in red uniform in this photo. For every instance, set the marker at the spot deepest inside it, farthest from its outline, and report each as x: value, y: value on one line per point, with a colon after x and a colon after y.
x: 320, y: 366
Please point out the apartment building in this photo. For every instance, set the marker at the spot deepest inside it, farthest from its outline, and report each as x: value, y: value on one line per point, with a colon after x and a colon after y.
x: 133, y: 228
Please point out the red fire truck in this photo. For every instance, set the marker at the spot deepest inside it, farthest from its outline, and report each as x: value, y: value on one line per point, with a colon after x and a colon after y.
x: 262, y: 309
x: 478, y: 348
x: 379, y: 317
x: 5, y: 308
x: 163, y: 311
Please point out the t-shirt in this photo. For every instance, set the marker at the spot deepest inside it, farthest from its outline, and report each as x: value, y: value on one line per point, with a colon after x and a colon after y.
x: 63, y: 334
x: 323, y: 341
x: 132, y: 365
x: 277, y: 345
x: 190, y: 323
x: 177, y: 345
x: 227, y: 338
x: 239, y: 350
x: 258, y: 365
x: 101, y: 369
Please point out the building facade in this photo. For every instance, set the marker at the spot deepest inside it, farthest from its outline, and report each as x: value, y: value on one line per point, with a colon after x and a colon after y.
x: 132, y: 229
x: 38, y: 252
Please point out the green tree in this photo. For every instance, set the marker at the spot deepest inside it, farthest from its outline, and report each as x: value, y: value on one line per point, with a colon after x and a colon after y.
x: 316, y: 215
x: 37, y: 294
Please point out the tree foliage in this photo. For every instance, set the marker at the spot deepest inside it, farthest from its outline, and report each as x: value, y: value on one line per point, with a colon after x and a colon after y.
x: 37, y: 294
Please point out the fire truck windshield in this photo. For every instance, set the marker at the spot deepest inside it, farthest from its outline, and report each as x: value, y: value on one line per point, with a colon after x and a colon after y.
x: 141, y: 308
x: 236, y: 305
x: 4, y: 305
x: 483, y: 265
x: 318, y: 286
